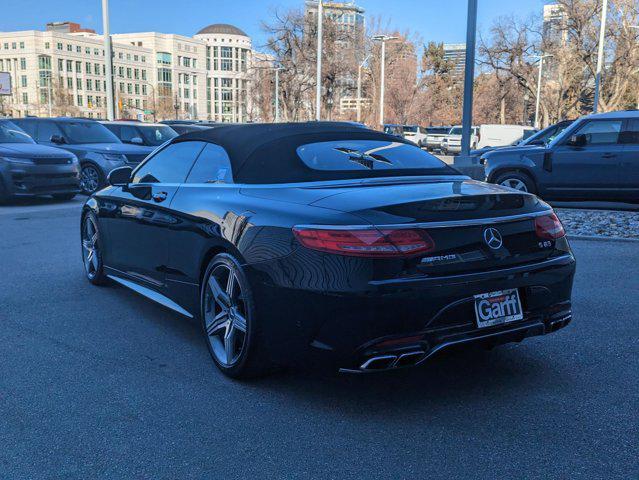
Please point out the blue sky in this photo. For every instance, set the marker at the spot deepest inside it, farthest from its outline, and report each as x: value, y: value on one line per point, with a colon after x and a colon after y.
x: 439, y: 20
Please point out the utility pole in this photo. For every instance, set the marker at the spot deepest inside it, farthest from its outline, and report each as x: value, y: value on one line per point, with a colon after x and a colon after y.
x: 539, y: 77
x: 277, y: 94
x: 469, y: 77
x: 318, y: 86
x: 383, y: 39
x: 108, y: 58
x: 600, y: 54
x: 359, y: 88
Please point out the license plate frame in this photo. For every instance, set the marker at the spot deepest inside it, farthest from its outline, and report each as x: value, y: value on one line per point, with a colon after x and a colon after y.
x: 498, y: 307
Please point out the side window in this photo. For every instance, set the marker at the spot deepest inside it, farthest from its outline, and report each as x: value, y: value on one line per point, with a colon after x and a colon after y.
x: 46, y: 130
x: 169, y: 165
x: 127, y: 133
x: 212, y: 166
x: 631, y: 134
x: 601, y: 132
x: 114, y: 129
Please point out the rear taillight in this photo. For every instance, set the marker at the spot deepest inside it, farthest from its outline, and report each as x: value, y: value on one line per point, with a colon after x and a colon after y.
x: 369, y: 242
x: 549, y: 227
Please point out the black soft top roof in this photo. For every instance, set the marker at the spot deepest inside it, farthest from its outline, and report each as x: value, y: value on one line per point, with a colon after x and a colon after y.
x: 267, y: 153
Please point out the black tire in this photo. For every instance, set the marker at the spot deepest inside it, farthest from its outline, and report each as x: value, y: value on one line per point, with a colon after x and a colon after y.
x: 91, y: 178
x: 244, y: 355
x: 90, y: 241
x: 63, y: 196
x: 513, y: 179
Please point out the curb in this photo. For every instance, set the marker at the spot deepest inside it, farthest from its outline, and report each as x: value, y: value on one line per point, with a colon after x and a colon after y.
x: 602, y: 238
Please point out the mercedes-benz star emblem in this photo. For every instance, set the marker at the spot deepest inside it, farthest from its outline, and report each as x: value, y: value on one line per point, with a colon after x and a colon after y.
x: 493, y: 239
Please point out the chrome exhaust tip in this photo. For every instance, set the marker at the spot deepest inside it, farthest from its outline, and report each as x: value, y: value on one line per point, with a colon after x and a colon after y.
x: 381, y: 362
x: 409, y: 359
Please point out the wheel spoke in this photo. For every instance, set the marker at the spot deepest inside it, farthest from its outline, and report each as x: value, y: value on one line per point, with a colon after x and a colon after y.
x: 229, y: 344
x: 239, y: 322
x: 230, y: 284
x: 219, y: 295
x: 219, y: 322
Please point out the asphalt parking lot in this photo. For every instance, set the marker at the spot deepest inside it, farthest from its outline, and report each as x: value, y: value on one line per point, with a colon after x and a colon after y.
x: 101, y: 383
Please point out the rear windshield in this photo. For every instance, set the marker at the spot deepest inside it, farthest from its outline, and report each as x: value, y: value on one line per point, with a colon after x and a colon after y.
x: 87, y: 132
x: 11, y: 133
x: 455, y: 131
x: 367, y: 156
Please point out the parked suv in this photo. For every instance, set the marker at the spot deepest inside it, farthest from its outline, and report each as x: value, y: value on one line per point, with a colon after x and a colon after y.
x: 138, y: 133
x: 415, y: 134
x: 597, y: 157
x: 30, y: 169
x: 451, y: 143
x: 434, y: 137
x: 97, y: 149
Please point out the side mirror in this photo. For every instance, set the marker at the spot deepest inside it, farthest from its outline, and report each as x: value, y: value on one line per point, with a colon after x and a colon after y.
x: 578, y: 140
x: 136, y: 140
x: 120, y: 177
x: 57, y: 139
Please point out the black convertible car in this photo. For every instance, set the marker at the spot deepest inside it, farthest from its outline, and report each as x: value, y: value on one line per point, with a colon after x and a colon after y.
x: 327, y: 242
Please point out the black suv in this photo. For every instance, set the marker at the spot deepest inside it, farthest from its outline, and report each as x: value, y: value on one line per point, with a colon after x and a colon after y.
x: 97, y: 149
x: 595, y: 158
x: 30, y: 169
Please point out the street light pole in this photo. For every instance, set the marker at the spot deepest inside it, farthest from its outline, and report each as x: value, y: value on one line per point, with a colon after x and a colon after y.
x: 359, y: 88
x: 600, y: 54
x: 469, y: 77
x: 277, y: 94
x: 539, y: 77
x: 383, y: 39
x: 108, y: 59
x: 318, y: 81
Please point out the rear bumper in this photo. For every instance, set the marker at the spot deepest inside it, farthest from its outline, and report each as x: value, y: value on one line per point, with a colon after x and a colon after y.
x: 40, y: 179
x: 432, y: 313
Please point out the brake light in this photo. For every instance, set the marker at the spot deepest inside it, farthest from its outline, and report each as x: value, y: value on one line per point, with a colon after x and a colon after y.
x: 549, y: 227
x: 369, y: 242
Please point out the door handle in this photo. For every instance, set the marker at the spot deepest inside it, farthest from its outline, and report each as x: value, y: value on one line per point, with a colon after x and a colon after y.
x: 159, y: 196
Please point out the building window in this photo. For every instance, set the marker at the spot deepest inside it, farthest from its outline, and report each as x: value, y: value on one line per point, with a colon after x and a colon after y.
x: 23, y: 81
x: 121, y: 72
x: 143, y: 74
x: 23, y: 64
x: 136, y: 73
x: 79, y: 100
x: 226, y: 63
x: 25, y: 98
x: 70, y: 83
x: 136, y: 88
x: 164, y: 58
x: 143, y: 89
x: 87, y: 68
x: 47, y: 45
x: 89, y: 84
x: 78, y: 67
x: 44, y: 62
x: 60, y: 64
x: 69, y: 65
x: 87, y: 51
x: 129, y: 88
x: 128, y: 73
x: 78, y: 49
x: 69, y: 47
x: 78, y: 83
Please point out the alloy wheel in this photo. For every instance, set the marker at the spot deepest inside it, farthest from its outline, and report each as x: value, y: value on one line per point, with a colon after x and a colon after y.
x: 90, y: 252
x: 89, y: 179
x: 514, y: 183
x: 225, y: 315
